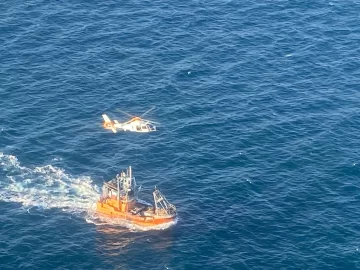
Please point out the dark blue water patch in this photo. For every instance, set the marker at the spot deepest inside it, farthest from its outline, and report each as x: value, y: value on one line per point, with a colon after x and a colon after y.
x: 257, y: 140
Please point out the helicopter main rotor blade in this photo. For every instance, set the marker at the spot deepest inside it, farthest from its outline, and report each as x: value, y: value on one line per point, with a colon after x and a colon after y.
x: 150, y: 121
x: 127, y: 122
x: 147, y: 111
x: 128, y: 114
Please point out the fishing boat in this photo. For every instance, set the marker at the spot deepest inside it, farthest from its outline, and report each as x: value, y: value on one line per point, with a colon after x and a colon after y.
x: 119, y: 200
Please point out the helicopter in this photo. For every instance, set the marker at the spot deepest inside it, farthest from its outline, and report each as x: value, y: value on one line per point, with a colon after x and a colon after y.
x: 135, y: 124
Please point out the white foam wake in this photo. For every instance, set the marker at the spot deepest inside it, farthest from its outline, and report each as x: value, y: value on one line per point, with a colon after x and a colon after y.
x: 50, y: 187
x: 45, y: 187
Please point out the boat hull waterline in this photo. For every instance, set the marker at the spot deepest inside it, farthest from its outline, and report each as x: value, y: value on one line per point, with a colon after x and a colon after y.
x: 106, y: 210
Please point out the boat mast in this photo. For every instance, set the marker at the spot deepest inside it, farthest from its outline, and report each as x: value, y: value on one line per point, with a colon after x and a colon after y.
x: 155, y: 201
x: 118, y: 187
x: 127, y: 182
x: 118, y: 191
x: 161, y: 203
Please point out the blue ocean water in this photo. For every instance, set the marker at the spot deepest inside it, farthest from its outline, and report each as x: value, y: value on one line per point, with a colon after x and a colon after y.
x: 258, y: 144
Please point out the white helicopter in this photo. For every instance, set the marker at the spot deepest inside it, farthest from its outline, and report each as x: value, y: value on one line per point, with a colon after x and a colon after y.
x: 135, y: 124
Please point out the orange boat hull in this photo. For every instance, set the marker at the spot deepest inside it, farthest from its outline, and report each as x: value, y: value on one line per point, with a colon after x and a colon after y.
x: 144, y: 221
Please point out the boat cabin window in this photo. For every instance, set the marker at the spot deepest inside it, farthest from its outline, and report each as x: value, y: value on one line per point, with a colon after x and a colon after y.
x: 138, y: 128
x: 112, y: 193
x: 144, y: 127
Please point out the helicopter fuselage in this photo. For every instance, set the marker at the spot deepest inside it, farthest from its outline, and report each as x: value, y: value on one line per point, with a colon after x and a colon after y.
x: 136, y: 126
